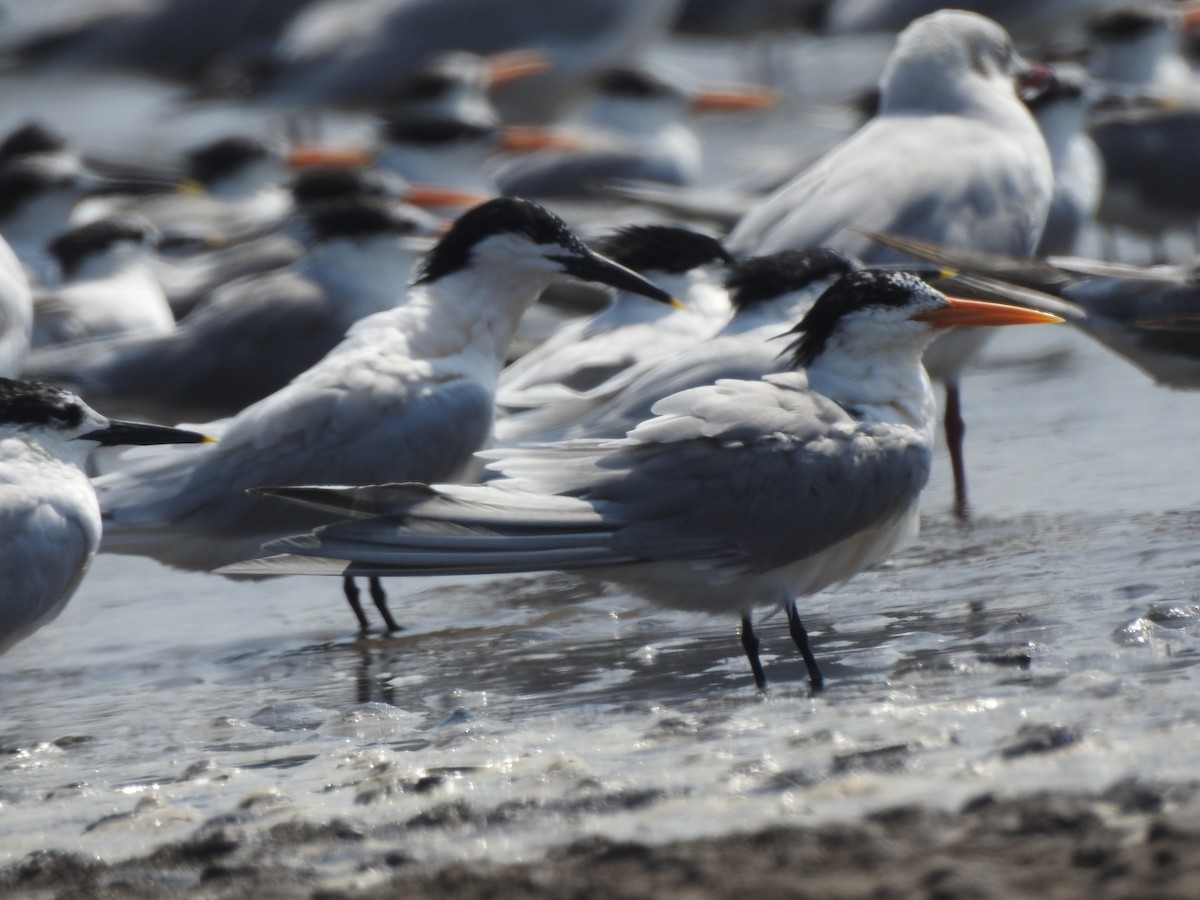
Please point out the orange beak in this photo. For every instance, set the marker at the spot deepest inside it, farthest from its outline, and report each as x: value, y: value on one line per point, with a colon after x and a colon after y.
x: 528, y: 138
x: 733, y: 99
x: 505, y: 68
x: 980, y: 312
x: 303, y: 157
x: 1189, y: 12
x: 432, y: 195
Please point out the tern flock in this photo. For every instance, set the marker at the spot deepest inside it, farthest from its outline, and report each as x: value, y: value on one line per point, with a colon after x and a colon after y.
x: 747, y: 420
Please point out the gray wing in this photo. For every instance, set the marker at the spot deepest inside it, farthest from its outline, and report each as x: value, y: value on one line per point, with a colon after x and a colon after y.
x: 979, y: 190
x: 303, y: 437
x: 702, y: 481
x: 759, y: 490
x: 225, y: 356
x: 42, y: 560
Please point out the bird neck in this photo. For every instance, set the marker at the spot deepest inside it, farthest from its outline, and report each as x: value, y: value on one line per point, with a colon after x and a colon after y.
x: 472, y: 312
x: 889, y: 386
x: 19, y: 454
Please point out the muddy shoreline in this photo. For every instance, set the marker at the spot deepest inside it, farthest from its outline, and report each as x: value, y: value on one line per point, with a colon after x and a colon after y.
x: 1134, y: 840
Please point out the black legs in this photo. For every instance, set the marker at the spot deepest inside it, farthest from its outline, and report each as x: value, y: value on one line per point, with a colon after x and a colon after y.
x: 956, y: 429
x: 379, y: 598
x: 750, y: 645
x: 351, y: 590
x: 799, y: 635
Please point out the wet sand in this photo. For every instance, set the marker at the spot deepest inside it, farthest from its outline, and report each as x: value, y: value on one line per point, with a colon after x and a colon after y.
x: 1010, y: 708
x: 1135, y: 840
x: 1010, y: 712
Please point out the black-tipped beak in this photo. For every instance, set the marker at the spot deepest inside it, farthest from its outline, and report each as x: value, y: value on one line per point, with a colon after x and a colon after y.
x: 119, y: 432
x: 603, y: 270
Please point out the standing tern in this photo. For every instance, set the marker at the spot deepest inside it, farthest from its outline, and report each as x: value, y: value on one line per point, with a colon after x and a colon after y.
x: 256, y: 334
x: 632, y: 128
x: 736, y: 495
x: 768, y: 294
x: 108, y: 285
x: 407, y: 396
x: 953, y: 156
x: 587, y: 352
x: 439, y: 127
x: 353, y: 53
x: 1141, y: 44
x: 49, y: 517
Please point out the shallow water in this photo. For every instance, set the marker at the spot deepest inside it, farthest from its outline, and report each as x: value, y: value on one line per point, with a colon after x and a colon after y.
x: 1053, y: 644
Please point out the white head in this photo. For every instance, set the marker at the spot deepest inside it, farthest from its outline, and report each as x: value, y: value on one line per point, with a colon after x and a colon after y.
x: 873, y: 312
x: 952, y: 62
x: 513, y: 241
x: 67, y: 428
x: 104, y: 247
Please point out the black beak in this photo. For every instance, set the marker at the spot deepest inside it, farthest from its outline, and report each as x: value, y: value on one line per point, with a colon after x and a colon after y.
x: 119, y: 432
x: 139, y: 186
x: 603, y: 270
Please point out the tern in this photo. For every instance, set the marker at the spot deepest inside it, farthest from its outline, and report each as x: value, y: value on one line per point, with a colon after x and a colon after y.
x: 253, y: 335
x: 108, y: 285
x: 1141, y: 44
x: 334, y: 54
x: 953, y: 156
x: 407, y: 395
x: 49, y: 517
x: 1150, y: 316
x: 632, y: 129
x: 734, y: 496
x: 587, y: 352
x: 1061, y: 110
x: 768, y: 294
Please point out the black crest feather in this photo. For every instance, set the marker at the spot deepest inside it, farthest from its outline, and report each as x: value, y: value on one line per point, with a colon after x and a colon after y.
x: 624, y: 81
x: 34, y: 403
x: 762, y: 278
x: 224, y: 157
x: 850, y: 293
x: 502, y: 215
x: 358, y: 218
x: 32, y: 137
x: 662, y: 248
x: 72, y: 247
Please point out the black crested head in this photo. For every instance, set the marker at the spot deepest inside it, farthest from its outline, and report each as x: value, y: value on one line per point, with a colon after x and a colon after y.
x: 663, y: 248
x: 503, y: 215
x: 72, y: 247
x: 859, y: 290
x: 32, y: 137
x: 361, y: 217
x: 34, y: 403
x: 626, y: 81
x: 1131, y: 21
x: 224, y: 157
x: 429, y: 132
x: 439, y: 76
x: 326, y: 185
x: 763, y: 278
